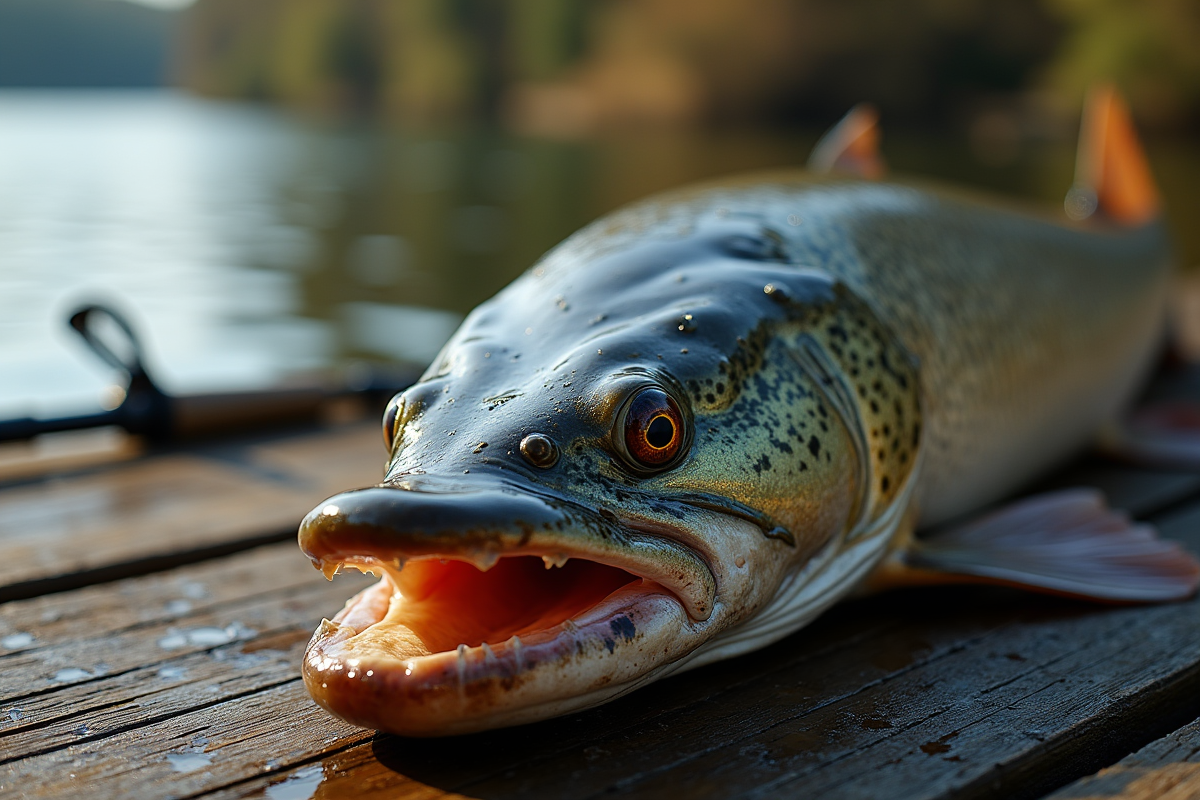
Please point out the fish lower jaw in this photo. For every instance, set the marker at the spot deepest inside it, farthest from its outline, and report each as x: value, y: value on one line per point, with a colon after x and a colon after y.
x: 421, y: 667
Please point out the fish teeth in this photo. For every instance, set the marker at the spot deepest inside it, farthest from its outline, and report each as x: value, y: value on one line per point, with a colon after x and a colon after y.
x: 328, y: 626
x: 488, y: 655
x: 556, y: 560
x: 462, y: 664
x: 486, y: 561
x: 330, y: 568
x: 518, y: 652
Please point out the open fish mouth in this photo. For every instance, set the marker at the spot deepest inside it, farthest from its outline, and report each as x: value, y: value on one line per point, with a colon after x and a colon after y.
x: 496, y: 605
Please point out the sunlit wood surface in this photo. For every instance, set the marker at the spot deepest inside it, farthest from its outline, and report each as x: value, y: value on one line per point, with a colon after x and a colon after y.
x: 155, y: 608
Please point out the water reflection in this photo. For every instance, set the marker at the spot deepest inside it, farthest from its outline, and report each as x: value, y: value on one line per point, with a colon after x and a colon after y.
x: 248, y: 245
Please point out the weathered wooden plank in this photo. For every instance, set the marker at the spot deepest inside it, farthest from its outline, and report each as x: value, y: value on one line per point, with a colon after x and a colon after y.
x: 844, y: 705
x: 67, y: 451
x: 185, y: 754
x: 163, y: 510
x: 106, y: 659
x: 1165, y: 769
x: 970, y: 692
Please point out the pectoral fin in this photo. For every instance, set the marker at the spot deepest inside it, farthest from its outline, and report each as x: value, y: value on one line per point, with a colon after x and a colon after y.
x: 1066, y: 543
x: 1164, y: 434
x: 851, y: 146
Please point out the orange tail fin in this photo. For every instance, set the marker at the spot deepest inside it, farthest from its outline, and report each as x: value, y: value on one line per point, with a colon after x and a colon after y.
x: 1112, y: 175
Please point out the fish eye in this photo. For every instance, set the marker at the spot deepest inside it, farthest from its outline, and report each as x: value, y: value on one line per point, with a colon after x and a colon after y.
x: 390, y: 414
x: 651, y: 431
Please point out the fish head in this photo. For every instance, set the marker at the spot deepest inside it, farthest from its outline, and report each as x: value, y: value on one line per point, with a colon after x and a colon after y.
x: 611, y: 465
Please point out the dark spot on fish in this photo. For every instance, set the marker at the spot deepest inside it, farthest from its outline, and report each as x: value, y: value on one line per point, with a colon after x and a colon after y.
x: 710, y: 398
x: 885, y: 484
x: 611, y: 645
x: 814, y: 446
x: 623, y: 626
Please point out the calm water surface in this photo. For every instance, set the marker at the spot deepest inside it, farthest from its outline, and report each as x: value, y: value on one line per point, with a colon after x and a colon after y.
x: 249, y: 246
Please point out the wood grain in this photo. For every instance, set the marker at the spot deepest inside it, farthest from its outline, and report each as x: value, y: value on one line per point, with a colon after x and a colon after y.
x: 1166, y: 769
x: 103, y: 661
x: 167, y: 509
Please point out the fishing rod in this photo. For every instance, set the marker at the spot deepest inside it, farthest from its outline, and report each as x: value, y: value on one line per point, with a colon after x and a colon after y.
x: 148, y: 411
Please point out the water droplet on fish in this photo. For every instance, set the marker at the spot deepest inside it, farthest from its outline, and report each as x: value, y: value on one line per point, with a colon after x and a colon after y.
x: 741, y: 562
x: 300, y: 785
x: 71, y: 674
x: 330, y: 510
x: 794, y: 219
x: 15, y: 641
x: 189, y: 762
x: 408, y: 668
x: 556, y: 560
x: 683, y: 350
x: 529, y: 331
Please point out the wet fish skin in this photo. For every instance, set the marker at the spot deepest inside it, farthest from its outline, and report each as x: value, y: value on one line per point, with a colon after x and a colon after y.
x: 852, y: 358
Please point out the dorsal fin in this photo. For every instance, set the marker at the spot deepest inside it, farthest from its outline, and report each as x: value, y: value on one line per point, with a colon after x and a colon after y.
x: 851, y: 146
x: 1112, y: 175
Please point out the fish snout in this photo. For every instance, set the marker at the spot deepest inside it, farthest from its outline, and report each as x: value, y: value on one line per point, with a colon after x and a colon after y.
x: 433, y: 518
x: 426, y: 519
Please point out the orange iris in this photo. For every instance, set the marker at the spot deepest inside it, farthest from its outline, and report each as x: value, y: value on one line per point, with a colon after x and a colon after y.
x: 654, y: 429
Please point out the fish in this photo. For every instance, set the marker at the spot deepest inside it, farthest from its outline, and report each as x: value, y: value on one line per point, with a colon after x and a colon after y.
x: 703, y: 419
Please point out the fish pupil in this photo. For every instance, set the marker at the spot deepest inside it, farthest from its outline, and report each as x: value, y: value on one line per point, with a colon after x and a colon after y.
x: 660, y: 433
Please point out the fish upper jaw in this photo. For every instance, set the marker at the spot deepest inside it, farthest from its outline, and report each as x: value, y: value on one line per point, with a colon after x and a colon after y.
x: 384, y: 527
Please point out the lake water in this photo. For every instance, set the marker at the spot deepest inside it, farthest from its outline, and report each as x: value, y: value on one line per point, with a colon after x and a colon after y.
x: 249, y: 246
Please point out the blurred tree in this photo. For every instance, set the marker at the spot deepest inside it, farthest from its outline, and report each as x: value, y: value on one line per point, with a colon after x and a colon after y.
x: 560, y: 67
x: 1151, y: 48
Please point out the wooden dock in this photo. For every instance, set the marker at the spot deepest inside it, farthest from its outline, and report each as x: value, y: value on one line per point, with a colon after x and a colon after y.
x: 154, y: 608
